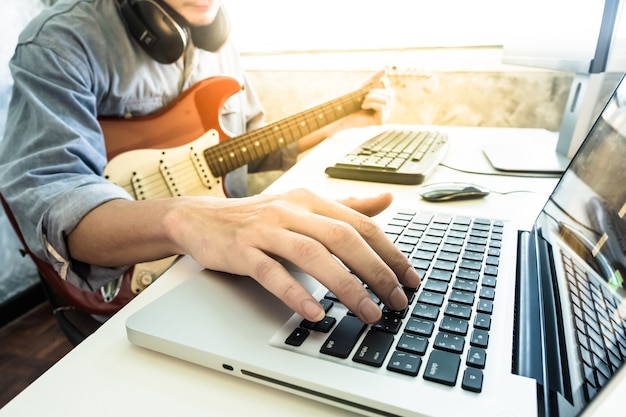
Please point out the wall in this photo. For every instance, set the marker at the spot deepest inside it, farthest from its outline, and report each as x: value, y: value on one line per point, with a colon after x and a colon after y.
x: 519, y: 98
x: 468, y: 98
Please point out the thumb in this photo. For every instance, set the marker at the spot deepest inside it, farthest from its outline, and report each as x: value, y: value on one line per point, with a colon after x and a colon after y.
x: 370, y: 206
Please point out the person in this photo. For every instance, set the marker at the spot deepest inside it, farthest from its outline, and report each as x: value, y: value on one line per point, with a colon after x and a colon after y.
x: 79, y: 61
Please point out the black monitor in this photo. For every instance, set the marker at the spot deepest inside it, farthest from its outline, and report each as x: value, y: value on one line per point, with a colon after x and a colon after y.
x: 584, y: 38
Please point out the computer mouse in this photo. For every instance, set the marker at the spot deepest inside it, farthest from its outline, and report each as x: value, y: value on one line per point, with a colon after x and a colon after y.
x: 448, y: 191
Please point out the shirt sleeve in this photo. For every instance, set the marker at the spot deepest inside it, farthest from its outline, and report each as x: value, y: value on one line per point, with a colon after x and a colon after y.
x: 52, y: 158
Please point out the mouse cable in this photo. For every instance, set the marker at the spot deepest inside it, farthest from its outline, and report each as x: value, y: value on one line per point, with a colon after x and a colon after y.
x: 501, y: 174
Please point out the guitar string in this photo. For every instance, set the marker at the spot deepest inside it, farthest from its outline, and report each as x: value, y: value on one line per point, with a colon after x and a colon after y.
x: 297, y: 119
x: 230, y: 151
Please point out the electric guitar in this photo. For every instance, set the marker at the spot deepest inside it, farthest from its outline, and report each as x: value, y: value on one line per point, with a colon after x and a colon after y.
x: 182, y: 150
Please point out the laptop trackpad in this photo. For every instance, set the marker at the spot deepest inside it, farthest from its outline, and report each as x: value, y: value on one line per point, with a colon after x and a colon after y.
x: 213, y: 309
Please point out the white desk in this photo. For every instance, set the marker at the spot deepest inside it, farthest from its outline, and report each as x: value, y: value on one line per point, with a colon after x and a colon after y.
x: 106, y: 375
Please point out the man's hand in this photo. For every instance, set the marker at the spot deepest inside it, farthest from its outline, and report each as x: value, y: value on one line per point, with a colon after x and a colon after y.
x: 376, y: 106
x: 247, y: 236
x: 379, y: 99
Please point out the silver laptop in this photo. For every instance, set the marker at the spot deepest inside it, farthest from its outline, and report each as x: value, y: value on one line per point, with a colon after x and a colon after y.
x: 506, y: 322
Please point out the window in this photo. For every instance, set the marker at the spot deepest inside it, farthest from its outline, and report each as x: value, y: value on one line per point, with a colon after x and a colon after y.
x: 334, y: 25
x: 561, y: 29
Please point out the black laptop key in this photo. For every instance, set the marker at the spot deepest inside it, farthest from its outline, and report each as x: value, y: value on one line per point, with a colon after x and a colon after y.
x: 462, y: 297
x: 405, y: 363
x: 461, y: 311
x: 476, y: 357
x: 413, y: 344
x: 479, y: 338
x: 343, y: 338
x: 419, y: 326
x: 454, y: 325
x: 442, y: 367
x: 434, y: 285
x: 374, y: 348
x: 473, y: 380
x: 482, y: 321
x: 389, y: 323
x: 449, y: 342
x: 485, y: 306
x: 323, y: 325
x: 297, y: 337
x: 425, y: 311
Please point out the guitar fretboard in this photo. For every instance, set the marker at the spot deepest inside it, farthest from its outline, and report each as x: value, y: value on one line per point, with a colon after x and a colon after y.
x: 241, y: 150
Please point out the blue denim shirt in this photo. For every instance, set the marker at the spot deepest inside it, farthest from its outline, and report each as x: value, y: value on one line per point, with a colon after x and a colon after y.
x: 74, y: 63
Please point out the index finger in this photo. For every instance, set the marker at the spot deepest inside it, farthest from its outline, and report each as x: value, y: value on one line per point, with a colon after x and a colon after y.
x: 375, y: 239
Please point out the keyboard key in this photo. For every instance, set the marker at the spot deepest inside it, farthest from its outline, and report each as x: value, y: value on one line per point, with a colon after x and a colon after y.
x: 465, y: 285
x: 440, y: 275
x: 389, y: 323
x: 432, y: 298
x: 485, y: 306
x: 454, y: 325
x: 487, y: 293
x: 480, y: 338
x: 436, y: 286
x: 343, y: 338
x: 425, y: 311
x: 472, y: 380
x: 449, y: 342
x: 442, y: 367
x: 458, y: 310
x: 419, y: 327
x: 476, y: 357
x: 405, y: 363
x: 412, y: 343
x: 297, y: 337
x: 462, y: 297
x: 323, y: 325
x: 373, y: 350
x: 482, y: 321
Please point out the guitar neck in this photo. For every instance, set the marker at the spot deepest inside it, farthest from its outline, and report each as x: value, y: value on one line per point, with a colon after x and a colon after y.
x: 241, y: 150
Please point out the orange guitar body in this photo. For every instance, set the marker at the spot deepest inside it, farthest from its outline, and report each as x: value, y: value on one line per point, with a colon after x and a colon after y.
x: 191, y: 115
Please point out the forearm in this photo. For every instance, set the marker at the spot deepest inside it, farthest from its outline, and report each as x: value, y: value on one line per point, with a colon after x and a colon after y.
x: 123, y: 232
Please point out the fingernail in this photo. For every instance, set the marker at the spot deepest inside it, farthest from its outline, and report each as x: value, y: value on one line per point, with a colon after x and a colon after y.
x: 313, y: 311
x: 397, y: 299
x: 412, y: 278
x: 369, y: 311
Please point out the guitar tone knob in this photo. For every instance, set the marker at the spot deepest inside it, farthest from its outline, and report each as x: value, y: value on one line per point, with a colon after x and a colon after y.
x: 146, y: 278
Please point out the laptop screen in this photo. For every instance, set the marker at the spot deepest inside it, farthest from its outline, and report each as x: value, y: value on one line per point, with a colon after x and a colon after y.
x: 582, y: 300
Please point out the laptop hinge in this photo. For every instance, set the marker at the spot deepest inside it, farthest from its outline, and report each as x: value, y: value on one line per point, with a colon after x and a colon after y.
x: 538, y: 332
x: 527, y: 346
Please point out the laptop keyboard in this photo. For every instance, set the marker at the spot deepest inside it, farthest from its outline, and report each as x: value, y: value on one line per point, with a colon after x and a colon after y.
x: 393, y: 156
x: 600, y: 327
x: 443, y: 334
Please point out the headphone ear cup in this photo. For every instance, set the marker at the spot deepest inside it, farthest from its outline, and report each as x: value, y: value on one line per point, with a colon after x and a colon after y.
x: 155, y: 30
x: 212, y: 37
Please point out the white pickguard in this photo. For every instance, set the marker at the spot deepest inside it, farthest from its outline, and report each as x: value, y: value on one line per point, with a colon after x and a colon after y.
x: 155, y: 173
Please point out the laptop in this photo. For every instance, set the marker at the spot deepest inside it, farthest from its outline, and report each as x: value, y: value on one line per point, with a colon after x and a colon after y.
x: 506, y: 322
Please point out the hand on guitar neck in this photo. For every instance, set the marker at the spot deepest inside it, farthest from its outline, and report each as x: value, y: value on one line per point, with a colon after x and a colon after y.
x: 375, y: 109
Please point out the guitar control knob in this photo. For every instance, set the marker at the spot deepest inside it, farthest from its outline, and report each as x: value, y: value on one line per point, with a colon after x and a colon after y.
x: 146, y: 278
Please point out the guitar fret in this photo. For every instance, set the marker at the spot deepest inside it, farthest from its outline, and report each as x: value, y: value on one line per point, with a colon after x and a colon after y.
x: 246, y: 148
